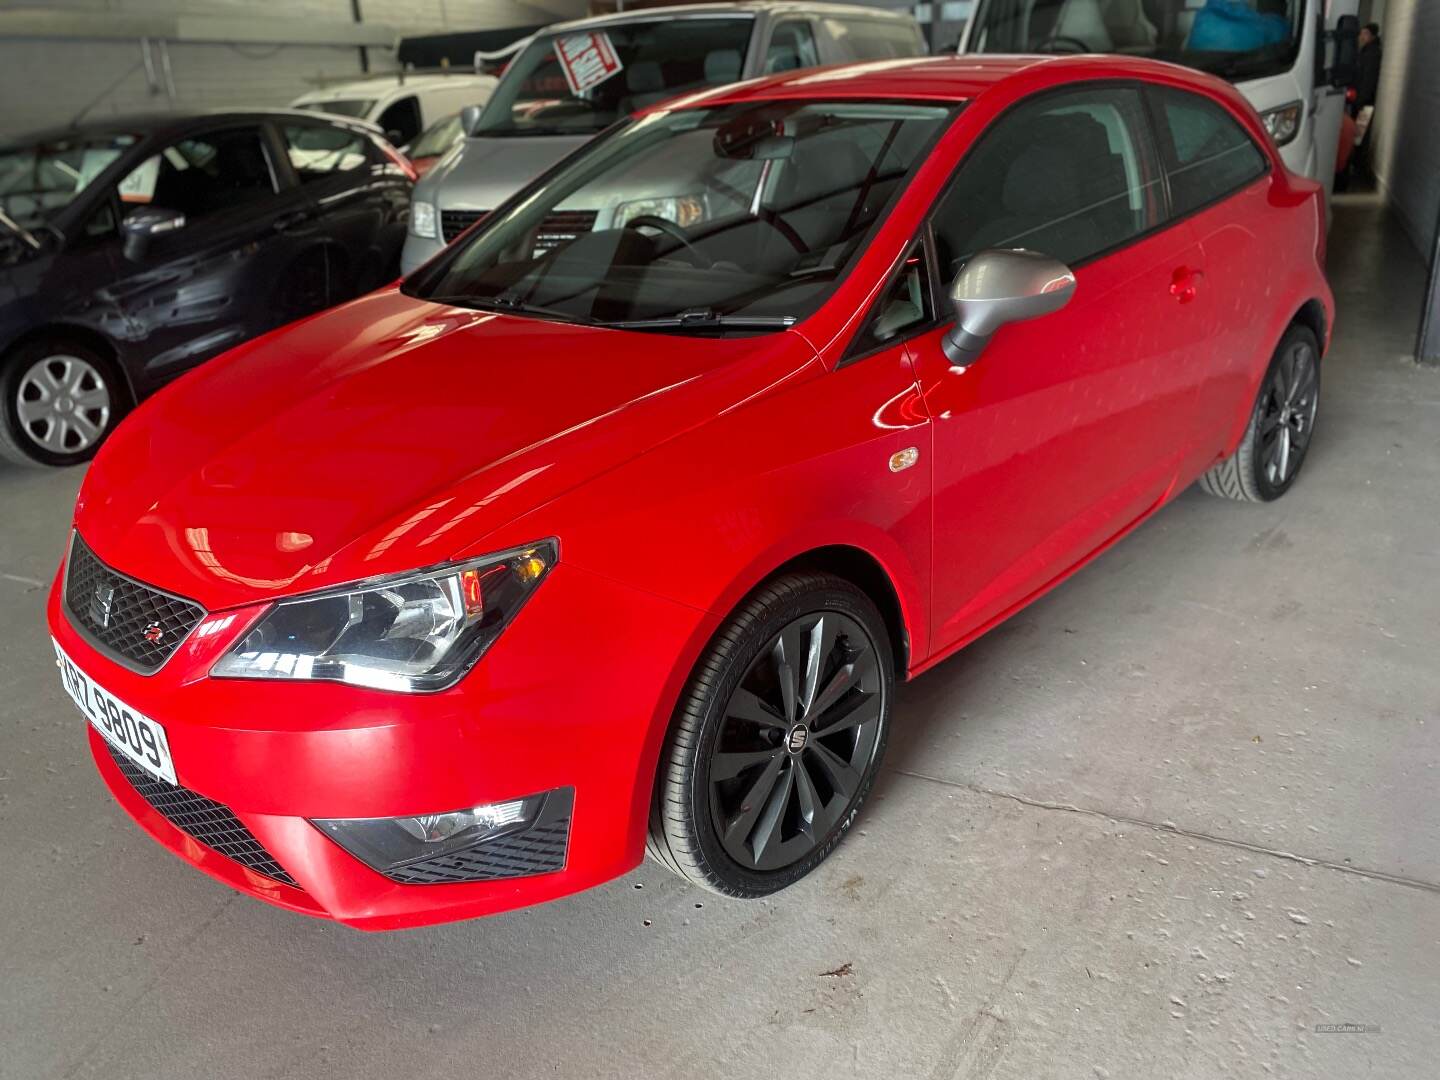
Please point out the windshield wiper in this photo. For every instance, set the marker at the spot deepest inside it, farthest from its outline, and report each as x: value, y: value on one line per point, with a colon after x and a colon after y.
x: 706, y: 319
x: 507, y: 302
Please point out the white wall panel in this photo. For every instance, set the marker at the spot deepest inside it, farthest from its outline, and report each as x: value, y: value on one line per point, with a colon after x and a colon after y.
x: 1406, y: 154
x: 46, y: 81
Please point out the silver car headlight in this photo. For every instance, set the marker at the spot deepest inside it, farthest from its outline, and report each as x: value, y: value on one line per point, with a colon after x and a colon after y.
x: 414, y: 632
x: 683, y: 210
x: 423, y: 220
x: 1283, y: 123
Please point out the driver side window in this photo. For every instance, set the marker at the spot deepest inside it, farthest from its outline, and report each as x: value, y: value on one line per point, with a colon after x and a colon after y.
x: 1070, y: 175
x: 202, y: 175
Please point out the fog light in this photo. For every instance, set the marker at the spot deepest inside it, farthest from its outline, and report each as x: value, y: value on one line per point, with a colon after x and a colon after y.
x: 386, y: 844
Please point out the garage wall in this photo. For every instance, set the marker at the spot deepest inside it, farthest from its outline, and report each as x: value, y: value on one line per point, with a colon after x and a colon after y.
x: 46, y: 81
x: 1406, y: 148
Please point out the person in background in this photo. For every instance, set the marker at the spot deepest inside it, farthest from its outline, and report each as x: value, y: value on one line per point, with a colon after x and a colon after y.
x: 1367, y: 84
x: 1367, y: 68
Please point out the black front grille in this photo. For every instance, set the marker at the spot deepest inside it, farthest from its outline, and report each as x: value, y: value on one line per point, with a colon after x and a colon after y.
x: 454, y: 222
x: 137, y: 625
x: 540, y: 849
x: 210, y: 822
x: 558, y: 228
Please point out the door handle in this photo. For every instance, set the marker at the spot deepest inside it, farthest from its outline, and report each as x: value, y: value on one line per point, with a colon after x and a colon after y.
x: 1184, y: 283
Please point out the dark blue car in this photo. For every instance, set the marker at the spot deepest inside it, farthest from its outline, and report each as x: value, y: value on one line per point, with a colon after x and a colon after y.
x: 133, y: 249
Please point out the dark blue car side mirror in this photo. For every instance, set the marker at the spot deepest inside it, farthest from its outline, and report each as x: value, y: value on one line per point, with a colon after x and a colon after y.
x: 143, y: 225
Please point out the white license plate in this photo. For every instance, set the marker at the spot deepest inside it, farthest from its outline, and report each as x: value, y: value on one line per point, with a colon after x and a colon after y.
x: 135, y: 735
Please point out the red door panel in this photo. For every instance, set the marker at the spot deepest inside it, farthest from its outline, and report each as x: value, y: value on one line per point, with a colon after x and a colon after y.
x: 1238, y: 308
x: 1065, y: 430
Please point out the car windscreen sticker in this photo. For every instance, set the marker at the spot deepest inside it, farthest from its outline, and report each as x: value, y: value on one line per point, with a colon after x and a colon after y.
x: 587, y: 59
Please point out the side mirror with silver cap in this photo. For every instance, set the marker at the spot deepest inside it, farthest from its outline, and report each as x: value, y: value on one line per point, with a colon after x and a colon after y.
x: 998, y: 286
x: 144, y: 224
x: 469, y: 119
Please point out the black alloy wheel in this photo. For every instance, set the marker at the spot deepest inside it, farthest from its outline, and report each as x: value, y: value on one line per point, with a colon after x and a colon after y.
x: 1288, y: 406
x: 1281, y: 425
x: 778, y: 739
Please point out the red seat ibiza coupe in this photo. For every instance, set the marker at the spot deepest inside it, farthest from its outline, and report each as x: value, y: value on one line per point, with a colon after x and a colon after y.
x: 455, y: 598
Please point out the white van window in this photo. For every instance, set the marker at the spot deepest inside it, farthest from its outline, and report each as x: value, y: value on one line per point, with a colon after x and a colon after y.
x: 1236, y: 39
x: 401, y: 120
x: 656, y: 60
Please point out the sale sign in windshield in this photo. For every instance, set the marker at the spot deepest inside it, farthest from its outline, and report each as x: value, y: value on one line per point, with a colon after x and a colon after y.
x: 588, y: 59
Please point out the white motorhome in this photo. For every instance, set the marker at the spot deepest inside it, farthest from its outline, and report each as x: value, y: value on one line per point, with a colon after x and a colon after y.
x: 1290, y: 58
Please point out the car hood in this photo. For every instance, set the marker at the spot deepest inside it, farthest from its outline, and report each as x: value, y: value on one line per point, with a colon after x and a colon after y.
x: 486, y: 172
x: 391, y: 434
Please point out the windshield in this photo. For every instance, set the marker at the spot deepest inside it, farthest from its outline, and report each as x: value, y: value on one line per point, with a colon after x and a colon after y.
x: 747, y: 210
x: 39, y: 180
x: 1236, y: 39
x: 580, y: 83
x: 358, y: 108
x: 437, y: 138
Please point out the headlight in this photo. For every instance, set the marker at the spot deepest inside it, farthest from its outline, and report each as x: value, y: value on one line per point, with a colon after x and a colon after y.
x: 422, y: 219
x: 416, y: 632
x: 681, y: 209
x: 1283, y: 123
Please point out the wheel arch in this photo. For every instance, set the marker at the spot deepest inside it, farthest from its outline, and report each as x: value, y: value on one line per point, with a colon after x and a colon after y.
x: 865, y: 572
x: 1314, y: 315
x: 85, y: 335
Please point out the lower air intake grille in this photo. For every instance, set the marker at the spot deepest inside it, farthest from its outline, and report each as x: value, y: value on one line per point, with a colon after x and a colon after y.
x: 540, y: 849
x: 210, y: 822
x: 133, y: 623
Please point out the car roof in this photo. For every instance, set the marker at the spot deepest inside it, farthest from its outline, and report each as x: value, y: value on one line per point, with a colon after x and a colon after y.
x: 948, y: 78
x: 382, y: 84
x: 750, y: 7
x: 166, y: 124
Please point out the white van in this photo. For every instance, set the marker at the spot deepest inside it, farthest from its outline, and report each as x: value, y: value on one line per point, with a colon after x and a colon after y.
x: 401, y: 105
x: 575, y: 79
x: 1290, y: 58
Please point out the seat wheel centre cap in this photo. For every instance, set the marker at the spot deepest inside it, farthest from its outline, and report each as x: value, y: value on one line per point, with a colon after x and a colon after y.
x: 798, y: 737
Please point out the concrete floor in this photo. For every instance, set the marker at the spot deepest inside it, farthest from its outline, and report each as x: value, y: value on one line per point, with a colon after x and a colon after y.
x: 1162, y: 824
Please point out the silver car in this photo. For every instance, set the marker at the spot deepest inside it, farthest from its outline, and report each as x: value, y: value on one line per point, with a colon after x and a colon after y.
x: 576, y: 79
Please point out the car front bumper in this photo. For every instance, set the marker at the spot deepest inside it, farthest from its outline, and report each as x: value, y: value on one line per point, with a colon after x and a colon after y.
x: 573, y: 697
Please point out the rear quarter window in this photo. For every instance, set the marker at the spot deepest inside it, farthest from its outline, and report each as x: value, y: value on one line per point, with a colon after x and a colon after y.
x: 1209, y: 154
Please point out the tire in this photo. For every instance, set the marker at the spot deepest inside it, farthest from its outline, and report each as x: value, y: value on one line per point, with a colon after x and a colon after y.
x: 90, y: 398
x: 1282, y: 422
x: 731, y: 732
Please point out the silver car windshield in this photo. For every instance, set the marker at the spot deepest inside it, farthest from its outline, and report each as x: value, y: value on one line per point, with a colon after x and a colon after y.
x: 582, y: 82
x: 1236, y: 39
x: 747, y: 212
